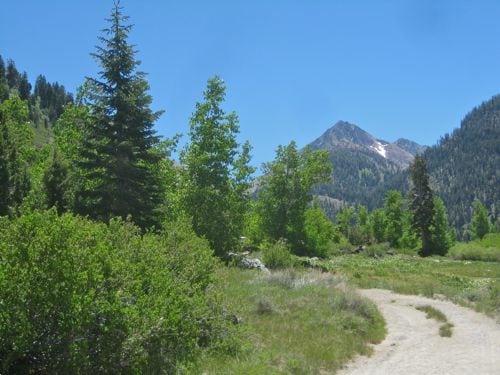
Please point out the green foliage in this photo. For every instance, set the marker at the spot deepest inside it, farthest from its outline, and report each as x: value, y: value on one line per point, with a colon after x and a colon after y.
x: 15, y: 154
x: 322, y: 323
x: 409, y: 239
x: 81, y: 297
x: 285, y: 192
x: 253, y: 225
x: 421, y: 203
x: 217, y: 174
x: 486, y: 249
x: 480, y: 221
x: 464, y: 164
x: 117, y: 155
x: 490, y: 240
x: 378, y: 225
x: 378, y: 250
x: 469, y: 283
x: 319, y: 231
x: 394, y: 208
x: 44, y: 105
x: 276, y: 255
x: 346, y: 221
x: 55, y: 182
x: 440, y: 232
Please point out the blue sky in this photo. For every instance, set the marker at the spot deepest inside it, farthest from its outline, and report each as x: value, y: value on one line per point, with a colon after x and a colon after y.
x: 400, y: 68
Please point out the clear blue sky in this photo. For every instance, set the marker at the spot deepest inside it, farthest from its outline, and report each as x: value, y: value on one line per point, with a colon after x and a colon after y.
x: 293, y: 68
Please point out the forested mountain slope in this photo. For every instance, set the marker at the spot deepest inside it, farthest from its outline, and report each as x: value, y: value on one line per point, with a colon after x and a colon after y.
x: 45, y: 102
x: 363, y: 165
x: 465, y: 165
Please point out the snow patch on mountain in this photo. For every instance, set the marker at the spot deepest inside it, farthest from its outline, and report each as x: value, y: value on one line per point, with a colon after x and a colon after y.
x: 380, y: 149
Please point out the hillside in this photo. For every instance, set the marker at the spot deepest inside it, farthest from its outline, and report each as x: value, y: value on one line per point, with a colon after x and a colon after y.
x: 464, y: 165
x: 45, y: 100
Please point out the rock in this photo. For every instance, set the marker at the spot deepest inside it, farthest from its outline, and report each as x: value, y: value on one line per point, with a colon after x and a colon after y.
x: 249, y: 263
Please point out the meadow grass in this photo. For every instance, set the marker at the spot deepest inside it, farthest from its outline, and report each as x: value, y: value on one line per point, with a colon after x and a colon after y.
x: 295, y: 322
x: 470, y: 283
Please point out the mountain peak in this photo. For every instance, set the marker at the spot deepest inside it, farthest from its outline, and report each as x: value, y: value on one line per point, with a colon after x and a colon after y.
x: 412, y: 147
x: 345, y: 135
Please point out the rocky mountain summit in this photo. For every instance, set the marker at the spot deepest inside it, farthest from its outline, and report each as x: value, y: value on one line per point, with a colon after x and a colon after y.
x: 344, y: 135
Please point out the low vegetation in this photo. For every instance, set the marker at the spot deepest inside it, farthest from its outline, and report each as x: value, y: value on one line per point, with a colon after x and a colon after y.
x: 295, y: 322
x: 82, y: 297
x: 470, y: 283
x: 486, y: 249
x: 445, y: 329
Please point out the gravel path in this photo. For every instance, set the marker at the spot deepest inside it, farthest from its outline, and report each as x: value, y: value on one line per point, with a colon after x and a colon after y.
x: 413, y: 345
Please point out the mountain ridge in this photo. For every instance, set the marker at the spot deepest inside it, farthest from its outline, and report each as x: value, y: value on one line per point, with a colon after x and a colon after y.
x: 344, y: 134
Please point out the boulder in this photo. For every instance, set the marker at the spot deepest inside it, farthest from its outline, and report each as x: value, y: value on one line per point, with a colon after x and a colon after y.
x: 250, y: 263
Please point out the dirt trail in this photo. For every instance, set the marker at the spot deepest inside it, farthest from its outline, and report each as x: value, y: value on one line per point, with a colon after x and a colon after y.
x: 413, y: 345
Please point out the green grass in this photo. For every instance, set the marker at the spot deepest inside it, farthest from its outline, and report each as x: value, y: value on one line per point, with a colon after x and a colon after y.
x: 487, y: 249
x: 433, y: 313
x: 295, y: 322
x: 446, y: 329
x: 470, y: 283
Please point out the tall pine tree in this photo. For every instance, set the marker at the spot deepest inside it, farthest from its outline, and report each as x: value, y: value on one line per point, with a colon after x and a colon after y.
x: 480, y: 220
x: 118, y: 151
x: 421, y: 203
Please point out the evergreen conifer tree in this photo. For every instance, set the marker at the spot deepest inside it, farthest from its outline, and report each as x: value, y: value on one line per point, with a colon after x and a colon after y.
x: 55, y: 182
x: 4, y: 169
x: 480, y: 221
x: 421, y: 203
x: 440, y: 231
x: 4, y: 87
x: 118, y: 152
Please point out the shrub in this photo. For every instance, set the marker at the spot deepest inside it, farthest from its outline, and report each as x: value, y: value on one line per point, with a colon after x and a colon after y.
x: 343, y: 246
x: 491, y: 240
x: 377, y: 250
x: 81, y: 297
x: 276, y: 255
x: 319, y: 231
x: 474, y: 251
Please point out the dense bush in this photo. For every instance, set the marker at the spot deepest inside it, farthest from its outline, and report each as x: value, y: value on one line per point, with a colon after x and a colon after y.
x: 277, y: 254
x: 81, y: 297
x: 378, y: 250
x: 474, y: 251
x: 320, y: 232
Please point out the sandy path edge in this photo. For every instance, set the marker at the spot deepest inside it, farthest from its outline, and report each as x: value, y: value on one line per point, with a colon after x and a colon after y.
x: 413, y: 345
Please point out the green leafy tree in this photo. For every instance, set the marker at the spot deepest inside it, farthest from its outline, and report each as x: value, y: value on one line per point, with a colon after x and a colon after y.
x: 286, y: 192
x: 319, y: 231
x: 409, y: 239
x: 118, y: 149
x: 440, y: 231
x: 216, y: 174
x: 421, y: 203
x: 480, y: 221
x: 394, y: 207
x: 346, y: 220
x: 378, y: 225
